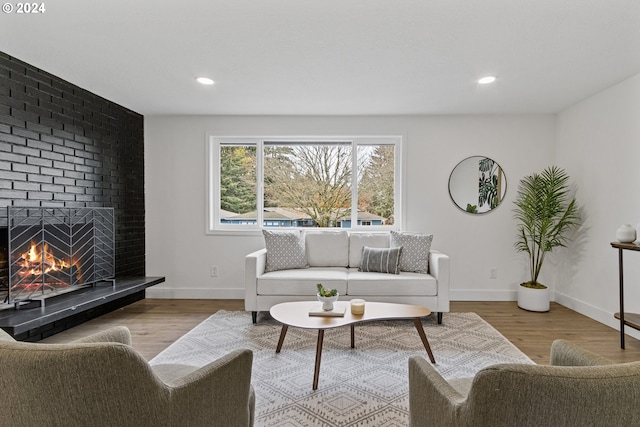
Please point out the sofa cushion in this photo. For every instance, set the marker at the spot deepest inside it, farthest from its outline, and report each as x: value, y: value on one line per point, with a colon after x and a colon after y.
x: 382, y: 260
x: 359, y: 240
x: 415, y: 252
x: 302, y: 282
x: 327, y: 248
x: 379, y: 284
x: 285, y: 249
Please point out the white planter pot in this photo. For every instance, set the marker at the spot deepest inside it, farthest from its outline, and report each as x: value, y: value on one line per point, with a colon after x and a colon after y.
x: 327, y: 302
x: 533, y: 299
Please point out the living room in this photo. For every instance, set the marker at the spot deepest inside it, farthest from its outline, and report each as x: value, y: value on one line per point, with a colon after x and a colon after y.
x: 581, y: 114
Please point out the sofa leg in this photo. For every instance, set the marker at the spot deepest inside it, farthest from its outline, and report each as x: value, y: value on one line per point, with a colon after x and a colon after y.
x: 254, y: 317
x: 439, y: 318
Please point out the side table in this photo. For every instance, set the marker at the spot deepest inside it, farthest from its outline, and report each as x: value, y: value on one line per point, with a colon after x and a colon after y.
x: 629, y: 319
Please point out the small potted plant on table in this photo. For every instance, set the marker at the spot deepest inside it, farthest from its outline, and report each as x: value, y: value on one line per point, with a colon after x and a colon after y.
x: 327, y: 297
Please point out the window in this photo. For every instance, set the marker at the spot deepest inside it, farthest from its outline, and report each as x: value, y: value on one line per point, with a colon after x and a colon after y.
x: 346, y: 182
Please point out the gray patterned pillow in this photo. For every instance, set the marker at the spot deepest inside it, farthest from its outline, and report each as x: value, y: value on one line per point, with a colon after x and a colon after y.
x: 285, y: 250
x: 415, y: 253
x: 381, y: 260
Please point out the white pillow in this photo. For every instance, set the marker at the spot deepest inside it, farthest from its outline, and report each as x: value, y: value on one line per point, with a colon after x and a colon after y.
x: 285, y: 250
x: 415, y: 250
x: 327, y: 248
x: 359, y: 240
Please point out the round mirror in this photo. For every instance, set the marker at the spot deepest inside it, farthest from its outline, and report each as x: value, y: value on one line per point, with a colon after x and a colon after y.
x: 477, y: 184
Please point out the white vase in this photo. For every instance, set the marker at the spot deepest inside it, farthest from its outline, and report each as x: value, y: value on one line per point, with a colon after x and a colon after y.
x: 327, y: 302
x: 626, y: 233
x: 532, y: 299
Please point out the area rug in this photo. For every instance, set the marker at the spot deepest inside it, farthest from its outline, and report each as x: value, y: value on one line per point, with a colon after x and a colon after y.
x: 365, y: 386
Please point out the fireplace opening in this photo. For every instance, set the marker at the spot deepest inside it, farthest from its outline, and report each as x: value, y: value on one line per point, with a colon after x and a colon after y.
x: 42, y: 270
x: 51, y: 251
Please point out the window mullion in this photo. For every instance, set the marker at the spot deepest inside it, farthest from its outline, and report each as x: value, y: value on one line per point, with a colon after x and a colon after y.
x: 354, y: 184
x: 260, y: 184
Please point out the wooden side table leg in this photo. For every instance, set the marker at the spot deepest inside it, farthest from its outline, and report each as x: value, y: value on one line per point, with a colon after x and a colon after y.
x: 316, y: 372
x: 353, y: 335
x: 283, y: 332
x: 621, y: 277
x: 423, y: 336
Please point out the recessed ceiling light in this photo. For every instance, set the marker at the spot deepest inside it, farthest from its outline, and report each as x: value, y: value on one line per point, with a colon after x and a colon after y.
x: 204, y: 81
x: 486, y: 80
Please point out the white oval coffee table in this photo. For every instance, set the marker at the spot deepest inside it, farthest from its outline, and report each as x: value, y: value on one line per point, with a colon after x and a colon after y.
x: 296, y: 314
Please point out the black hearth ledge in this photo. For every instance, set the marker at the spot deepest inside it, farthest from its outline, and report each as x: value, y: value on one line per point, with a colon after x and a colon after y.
x: 70, y: 309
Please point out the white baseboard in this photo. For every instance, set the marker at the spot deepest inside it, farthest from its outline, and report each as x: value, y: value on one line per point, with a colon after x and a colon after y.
x: 194, y: 293
x: 234, y: 293
x: 594, y: 313
x: 476, y: 295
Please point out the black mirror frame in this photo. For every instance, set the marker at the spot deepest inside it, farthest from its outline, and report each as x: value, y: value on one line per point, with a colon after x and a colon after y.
x: 497, y: 185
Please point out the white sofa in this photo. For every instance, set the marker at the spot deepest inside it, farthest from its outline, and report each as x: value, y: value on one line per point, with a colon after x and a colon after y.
x: 334, y: 259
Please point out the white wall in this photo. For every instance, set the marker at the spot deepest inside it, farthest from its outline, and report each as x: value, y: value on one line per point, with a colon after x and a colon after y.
x: 175, y: 174
x: 598, y: 142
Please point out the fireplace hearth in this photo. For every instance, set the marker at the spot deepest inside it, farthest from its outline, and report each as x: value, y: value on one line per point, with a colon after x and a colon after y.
x: 57, y: 250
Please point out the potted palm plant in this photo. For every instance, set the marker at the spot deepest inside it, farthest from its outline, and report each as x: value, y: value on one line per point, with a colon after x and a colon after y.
x: 545, y: 212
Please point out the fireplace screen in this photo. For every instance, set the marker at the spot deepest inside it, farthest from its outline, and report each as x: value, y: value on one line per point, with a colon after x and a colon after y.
x: 54, y: 250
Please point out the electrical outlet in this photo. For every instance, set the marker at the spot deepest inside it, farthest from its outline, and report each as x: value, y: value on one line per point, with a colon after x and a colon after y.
x: 493, y: 273
x: 214, y: 271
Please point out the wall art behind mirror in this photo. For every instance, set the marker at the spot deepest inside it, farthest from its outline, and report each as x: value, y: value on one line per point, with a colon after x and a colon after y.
x: 477, y: 185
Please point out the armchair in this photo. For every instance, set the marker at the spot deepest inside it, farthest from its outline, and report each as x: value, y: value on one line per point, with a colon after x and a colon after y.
x: 580, y: 388
x: 102, y: 381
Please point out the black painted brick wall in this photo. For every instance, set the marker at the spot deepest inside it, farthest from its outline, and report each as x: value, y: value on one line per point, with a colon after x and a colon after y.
x: 61, y: 145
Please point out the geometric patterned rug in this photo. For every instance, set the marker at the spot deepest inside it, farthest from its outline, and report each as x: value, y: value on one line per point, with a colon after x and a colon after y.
x: 365, y: 386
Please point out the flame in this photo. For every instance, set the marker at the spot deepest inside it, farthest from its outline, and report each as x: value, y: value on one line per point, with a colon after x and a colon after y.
x: 35, y: 262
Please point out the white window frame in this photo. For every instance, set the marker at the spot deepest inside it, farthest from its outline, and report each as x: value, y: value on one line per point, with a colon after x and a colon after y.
x: 213, y: 142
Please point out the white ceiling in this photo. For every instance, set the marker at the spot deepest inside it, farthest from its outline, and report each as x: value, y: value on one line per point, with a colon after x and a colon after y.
x: 333, y: 56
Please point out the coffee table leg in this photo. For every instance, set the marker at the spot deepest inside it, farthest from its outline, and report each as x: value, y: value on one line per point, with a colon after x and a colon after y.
x: 316, y: 373
x: 353, y: 335
x: 423, y: 336
x: 283, y: 332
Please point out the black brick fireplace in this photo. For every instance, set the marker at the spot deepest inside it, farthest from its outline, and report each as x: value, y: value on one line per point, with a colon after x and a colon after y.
x: 62, y: 146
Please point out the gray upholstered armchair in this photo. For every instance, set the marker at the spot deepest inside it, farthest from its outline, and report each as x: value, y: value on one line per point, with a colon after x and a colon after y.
x: 102, y: 381
x: 580, y: 388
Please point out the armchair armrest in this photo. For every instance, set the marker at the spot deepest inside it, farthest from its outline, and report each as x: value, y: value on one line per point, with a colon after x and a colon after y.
x: 565, y: 353
x: 254, y: 265
x: 5, y: 337
x: 119, y: 334
x: 219, y: 393
x: 431, y: 397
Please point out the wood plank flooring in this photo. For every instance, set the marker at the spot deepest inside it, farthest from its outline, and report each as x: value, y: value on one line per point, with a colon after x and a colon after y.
x: 156, y: 323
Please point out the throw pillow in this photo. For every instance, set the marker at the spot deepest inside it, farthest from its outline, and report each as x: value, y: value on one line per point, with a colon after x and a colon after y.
x: 285, y: 250
x: 415, y: 255
x: 381, y: 260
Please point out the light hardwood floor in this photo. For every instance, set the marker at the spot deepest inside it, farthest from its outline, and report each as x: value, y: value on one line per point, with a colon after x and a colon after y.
x: 156, y: 323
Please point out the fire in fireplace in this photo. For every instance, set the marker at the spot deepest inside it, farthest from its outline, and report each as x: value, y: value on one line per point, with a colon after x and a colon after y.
x: 54, y: 250
x: 40, y: 264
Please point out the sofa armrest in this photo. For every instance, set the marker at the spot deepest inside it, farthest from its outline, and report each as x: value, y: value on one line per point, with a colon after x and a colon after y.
x: 119, y: 334
x: 566, y: 353
x: 431, y: 397
x: 254, y: 265
x: 219, y: 393
x: 439, y: 268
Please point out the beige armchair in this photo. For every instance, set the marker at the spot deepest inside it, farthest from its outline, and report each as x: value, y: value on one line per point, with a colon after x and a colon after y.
x: 102, y: 381
x: 580, y: 388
